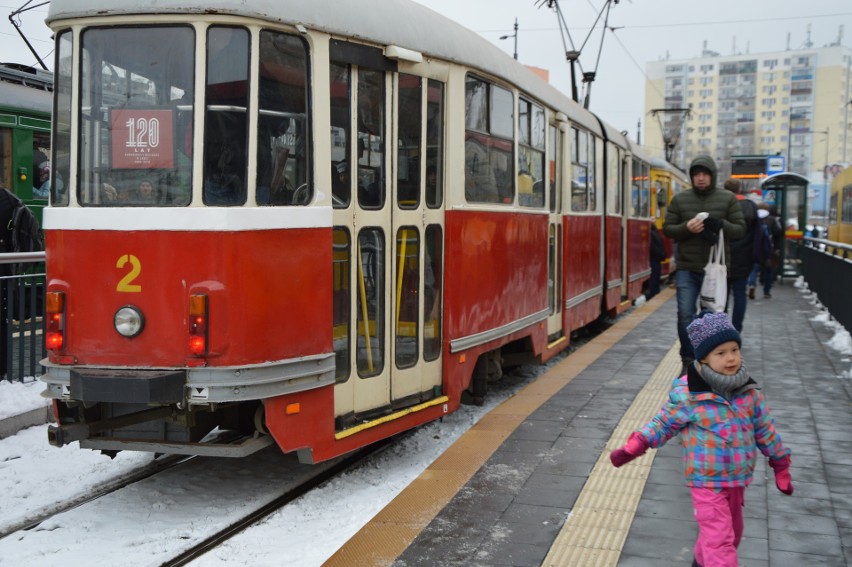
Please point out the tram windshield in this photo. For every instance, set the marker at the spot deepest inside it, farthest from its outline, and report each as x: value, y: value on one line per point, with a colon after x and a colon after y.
x: 136, y: 118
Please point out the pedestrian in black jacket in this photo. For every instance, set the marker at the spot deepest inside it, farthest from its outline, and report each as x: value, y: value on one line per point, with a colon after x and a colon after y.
x: 742, y: 256
x: 657, y: 255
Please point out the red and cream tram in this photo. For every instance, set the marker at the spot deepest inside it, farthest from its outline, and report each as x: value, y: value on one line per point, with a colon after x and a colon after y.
x: 300, y: 223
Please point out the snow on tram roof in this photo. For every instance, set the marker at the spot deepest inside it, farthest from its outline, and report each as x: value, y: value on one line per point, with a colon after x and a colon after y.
x: 391, y: 22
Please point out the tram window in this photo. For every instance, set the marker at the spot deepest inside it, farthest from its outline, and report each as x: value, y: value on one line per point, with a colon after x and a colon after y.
x: 489, y: 149
x: 371, y: 138
x: 613, y: 181
x: 225, y: 117
x: 580, y: 170
x: 370, y: 342
x: 341, y: 134
x: 341, y: 300
x: 640, y: 190
x: 61, y: 154
x: 407, y: 286
x: 434, y: 144
x: 432, y: 277
x: 597, y: 166
x: 531, y: 127
x: 409, y: 151
x: 136, y: 114
x: 283, y: 141
x: 555, y: 169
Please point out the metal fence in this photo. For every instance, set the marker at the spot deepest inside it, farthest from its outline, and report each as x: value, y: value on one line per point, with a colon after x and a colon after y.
x: 22, y: 316
x: 826, y: 266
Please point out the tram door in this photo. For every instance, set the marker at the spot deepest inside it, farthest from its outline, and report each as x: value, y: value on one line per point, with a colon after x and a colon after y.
x: 556, y: 145
x: 383, y: 280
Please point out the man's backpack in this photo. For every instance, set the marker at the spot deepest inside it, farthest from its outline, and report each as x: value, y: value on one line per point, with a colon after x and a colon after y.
x: 762, y: 251
x: 25, y: 232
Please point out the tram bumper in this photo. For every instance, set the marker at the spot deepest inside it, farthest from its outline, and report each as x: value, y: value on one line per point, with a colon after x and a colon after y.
x: 130, y: 386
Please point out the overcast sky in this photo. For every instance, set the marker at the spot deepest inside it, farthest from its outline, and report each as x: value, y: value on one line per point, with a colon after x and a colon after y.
x: 645, y: 30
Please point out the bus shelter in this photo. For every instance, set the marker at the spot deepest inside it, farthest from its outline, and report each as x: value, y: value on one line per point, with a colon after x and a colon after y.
x: 787, y: 193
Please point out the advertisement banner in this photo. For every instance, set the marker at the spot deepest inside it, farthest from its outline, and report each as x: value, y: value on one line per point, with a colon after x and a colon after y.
x: 142, y: 138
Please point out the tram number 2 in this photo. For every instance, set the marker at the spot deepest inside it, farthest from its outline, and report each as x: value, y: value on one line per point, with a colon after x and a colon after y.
x: 126, y: 284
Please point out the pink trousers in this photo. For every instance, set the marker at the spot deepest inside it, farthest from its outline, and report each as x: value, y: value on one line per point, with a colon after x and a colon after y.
x: 720, y: 525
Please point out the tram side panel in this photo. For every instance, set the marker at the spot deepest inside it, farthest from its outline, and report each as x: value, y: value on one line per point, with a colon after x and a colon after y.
x: 496, y: 275
x: 638, y: 255
x: 582, y: 270
x: 613, y: 276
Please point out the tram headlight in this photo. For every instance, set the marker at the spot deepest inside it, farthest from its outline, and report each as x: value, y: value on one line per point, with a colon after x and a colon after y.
x: 129, y: 321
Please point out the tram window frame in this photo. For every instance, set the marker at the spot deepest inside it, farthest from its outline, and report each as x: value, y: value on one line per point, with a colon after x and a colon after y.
x: 433, y: 268
x: 340, y: 112
x: 371, y: 109
x: 846, y: 204
x: 435, y: 145
x: 409, y: 135
x: 554, y: 169
x: 407, y: 286
x: 614, y: 183
x: 106, y: 174
x: 580, y: 176
x: 489, y: 124
x: 284, y: 159
x: 640, y: 190
x: 60, y: 159
x: 225, y: 161
x: 532, y: 128
x: 371, y: 272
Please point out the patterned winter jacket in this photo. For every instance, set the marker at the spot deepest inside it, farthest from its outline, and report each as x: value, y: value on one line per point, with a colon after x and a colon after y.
x: 720, y: 437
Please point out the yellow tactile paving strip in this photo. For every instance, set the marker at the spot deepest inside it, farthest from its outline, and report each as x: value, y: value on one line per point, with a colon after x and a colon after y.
x: 382, y: 540
x: 594, y: 533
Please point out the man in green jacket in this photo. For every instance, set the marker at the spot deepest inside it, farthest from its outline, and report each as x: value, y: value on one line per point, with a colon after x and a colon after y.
x: 695, y: 236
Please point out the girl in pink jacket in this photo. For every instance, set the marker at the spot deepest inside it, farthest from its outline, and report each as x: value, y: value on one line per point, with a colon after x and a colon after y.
x: 723, y: 420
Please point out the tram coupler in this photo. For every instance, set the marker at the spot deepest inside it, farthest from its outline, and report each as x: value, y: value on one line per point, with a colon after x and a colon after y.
x: 60, y: 435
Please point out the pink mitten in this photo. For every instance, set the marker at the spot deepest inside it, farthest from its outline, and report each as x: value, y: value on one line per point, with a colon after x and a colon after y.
x: 635, y: 447
x: 783, y: 480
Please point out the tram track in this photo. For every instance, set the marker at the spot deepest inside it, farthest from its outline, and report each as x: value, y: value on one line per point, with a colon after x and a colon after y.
x: 159, y: 465
x: 225, y: 534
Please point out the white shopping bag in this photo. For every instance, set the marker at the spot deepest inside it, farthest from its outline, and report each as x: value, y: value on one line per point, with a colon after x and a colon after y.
x: 714, y: 289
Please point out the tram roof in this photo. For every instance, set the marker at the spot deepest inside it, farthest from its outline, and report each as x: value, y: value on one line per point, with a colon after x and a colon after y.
x: 390, y: 22
x: 24, y: 98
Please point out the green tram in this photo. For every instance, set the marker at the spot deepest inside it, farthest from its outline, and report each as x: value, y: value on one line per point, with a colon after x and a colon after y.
x: 25, y: 106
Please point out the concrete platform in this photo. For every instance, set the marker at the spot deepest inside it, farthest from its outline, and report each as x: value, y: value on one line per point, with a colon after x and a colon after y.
x: 531, y: 484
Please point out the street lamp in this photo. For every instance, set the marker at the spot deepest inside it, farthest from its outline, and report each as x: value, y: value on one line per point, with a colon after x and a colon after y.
x: 514, y: 35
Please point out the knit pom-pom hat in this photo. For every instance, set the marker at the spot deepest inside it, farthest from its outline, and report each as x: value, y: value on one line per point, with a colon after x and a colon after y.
x: 709, y: 331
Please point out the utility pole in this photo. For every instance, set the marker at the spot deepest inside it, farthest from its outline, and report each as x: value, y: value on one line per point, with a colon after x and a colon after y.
x: 514, y: 35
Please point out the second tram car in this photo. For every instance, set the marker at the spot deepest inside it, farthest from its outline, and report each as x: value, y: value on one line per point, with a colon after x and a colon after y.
x: 667, y: 181
x: 291, y: 222
x: 840, y: 208
x: 25, y: 103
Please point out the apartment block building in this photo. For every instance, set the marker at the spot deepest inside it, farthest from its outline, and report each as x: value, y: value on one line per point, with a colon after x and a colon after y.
x: 795, y: 103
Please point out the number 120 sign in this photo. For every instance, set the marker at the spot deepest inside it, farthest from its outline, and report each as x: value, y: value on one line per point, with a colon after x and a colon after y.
x: 142, y: 139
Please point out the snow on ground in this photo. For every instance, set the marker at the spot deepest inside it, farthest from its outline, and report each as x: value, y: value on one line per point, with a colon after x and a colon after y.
x: 305, y: 533
x: 17, y: 398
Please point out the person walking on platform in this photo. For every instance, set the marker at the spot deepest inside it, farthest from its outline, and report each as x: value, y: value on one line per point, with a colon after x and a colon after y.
x: 723, y: 419
x: 695, y: 234
x: 766, y: 266
x: 657, y: 255
x: 742, y: 255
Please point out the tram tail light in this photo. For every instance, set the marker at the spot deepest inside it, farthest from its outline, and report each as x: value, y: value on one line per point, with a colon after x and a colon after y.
x: 54, y: 339
x: 198, y: 325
